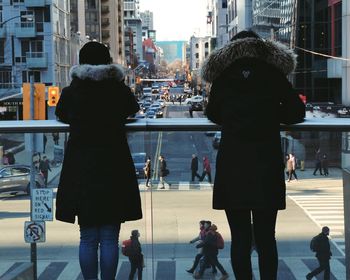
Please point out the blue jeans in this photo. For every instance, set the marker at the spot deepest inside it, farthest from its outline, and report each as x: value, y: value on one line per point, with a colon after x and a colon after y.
x: 106, y: 237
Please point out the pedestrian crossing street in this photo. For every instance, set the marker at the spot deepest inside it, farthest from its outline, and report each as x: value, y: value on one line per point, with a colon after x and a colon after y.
x: 325, y: 210
x: 290, y: 268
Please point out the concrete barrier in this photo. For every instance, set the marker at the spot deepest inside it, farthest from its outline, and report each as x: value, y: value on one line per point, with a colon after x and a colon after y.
x: 22, y: 272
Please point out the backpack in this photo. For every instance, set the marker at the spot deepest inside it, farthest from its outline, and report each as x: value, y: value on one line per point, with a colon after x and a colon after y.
x: 219, y: 241
x: 314, y: 244
x: 126, y: 247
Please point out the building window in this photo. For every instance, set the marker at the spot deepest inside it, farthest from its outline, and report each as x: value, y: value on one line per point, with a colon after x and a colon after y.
x: 5, y: 79
x: 26, y: 76
x: 197, y: 46
x: 91, y: 4
x: 2, y: 51
x: 224, y: 4
x: 206, y: 45
x: 197, y: 55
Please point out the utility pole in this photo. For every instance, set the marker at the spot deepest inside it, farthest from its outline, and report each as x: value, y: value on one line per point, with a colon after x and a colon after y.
x: 33, y: 248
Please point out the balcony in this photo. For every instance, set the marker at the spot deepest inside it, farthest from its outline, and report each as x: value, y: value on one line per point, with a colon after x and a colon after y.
x: 105, y: 22
x: 36, y: 60
x: 34, y: 3
x: 104, y: 9
x: 171, y: 215
x: 25, y: 30
x: 105, y: 34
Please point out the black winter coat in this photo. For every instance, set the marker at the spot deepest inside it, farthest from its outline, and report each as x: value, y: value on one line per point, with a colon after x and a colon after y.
x: 194, y: 164
x: 162, y: 168
x: 92, y: 186
x: 250, y: 96
x: 323, y: 247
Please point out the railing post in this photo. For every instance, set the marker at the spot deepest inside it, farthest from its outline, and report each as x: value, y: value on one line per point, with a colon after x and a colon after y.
x: 346, y: 198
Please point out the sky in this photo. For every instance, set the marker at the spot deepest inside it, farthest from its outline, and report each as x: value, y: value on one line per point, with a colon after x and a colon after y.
x: 177, y: 20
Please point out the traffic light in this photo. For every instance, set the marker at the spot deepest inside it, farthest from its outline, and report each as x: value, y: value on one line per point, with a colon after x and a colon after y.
x: 53, y: 96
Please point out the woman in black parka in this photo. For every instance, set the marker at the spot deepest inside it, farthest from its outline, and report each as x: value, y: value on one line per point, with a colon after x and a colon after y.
x: 98, y: 182
x: 250, y: 96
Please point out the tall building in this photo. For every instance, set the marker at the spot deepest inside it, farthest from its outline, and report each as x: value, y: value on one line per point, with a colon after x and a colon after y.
x: 274, y: 19
x: 133, y: 21
x: 102, y: 21
x: 200, y: 48
x: 319, y: 30
x: 239, y: 16
x: 112, y: 28
x: 147, y: 19
x: 219, y: 22
x: 173, y: 50
x: 147, y: 26
x: 34, y: 39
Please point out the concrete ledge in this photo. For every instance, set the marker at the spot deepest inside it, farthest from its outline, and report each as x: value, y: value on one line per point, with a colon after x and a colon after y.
x: 22, y: 272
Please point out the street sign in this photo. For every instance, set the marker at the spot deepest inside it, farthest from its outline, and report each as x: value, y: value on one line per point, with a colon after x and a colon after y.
x: 34, y: 232
x: 42, y: 204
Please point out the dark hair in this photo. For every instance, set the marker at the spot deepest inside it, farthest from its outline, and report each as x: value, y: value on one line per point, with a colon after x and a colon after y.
x: 245, y: 34
x: 202, y: 222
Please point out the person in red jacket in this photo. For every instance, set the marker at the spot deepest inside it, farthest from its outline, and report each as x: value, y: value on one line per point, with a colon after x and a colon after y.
x: 206, y: 169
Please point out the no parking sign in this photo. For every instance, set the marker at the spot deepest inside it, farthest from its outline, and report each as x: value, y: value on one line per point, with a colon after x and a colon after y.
x: 34, y: 232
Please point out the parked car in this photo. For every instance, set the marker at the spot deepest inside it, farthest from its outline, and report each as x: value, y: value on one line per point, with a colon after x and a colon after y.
x: 193, y: 99
x: 139, y: 160
x: 16, y: 178
x: 216, y: 140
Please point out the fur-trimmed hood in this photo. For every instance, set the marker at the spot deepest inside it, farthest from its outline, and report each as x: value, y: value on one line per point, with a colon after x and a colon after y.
x: 271, y: 52
x: 97, y: 72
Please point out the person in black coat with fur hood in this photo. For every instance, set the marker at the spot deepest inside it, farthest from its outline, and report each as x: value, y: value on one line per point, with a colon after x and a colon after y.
x: 250, y: 96
x: 96, y: 105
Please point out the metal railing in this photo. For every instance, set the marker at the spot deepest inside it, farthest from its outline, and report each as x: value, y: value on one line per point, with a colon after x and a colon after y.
x: 202, y: 124
x: 171, y: 124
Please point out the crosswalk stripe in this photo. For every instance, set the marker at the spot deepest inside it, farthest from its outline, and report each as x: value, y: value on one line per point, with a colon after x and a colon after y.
x: 71, y: 271
x: 41, y: 266
x: 184, y: 186
x: 337, y: 269
x: 325, y: 210
x: 299, y: 267
x: 333, y: 217
x: 328, y: 207
x: 4, y: 266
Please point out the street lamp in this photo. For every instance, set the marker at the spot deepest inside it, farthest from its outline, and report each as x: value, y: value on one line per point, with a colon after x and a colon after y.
x: 27, y: 17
